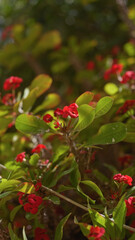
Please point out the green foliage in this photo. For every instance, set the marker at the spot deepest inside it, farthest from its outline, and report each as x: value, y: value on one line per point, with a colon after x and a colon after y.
x: 103, y: 106
x: 59, y: 229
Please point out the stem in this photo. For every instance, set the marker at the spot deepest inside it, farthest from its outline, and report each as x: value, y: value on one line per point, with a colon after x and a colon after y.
x: 81, y: 206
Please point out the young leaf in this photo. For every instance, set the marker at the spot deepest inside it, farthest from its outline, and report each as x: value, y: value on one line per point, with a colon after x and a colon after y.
x: 59, y: 229
x: 119, y: 213
x: 14, y: 212
x: 109, y: 134
x: 34, y: 159
x: 86, y: 117
x: 103, y: 106
x: 94, y: 187
x: 42, y: 82
x: 30, y: 124
x: 84, y: 98
x: 51, y: 101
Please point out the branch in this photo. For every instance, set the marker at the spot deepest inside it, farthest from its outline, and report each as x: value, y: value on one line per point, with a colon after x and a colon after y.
x: 81, y: 206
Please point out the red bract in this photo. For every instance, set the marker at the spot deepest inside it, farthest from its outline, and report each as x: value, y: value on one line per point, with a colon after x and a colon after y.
x: 116, y: 68
x: 125, y: 160
x: 47, y: 118
x: 30, y: 208
x: 56, y: 124
x: 38, y: 148
x: 40, y: 234
x: 8, y: 99
x: 70, y: 110
x: 35, y: 200
x: 58, y: 112
x: 129, y: 104
x: 37, y: 186
x: 130, y: 205
x: 20, y: 157
x: 128, y: 76
x: 123, y: 178
x: 90, y: 65
x: 107, y: 74
x: 96, y: 233
x: 12, y: 83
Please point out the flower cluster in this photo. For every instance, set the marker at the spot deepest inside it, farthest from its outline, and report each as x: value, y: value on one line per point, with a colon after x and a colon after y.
x: 129, y: 104
x: 96, y: 233
x: 8, y: 99
x: 38, y: 148
x: 123, y: 178
x: 130, y: 205
x: 40, y: 234
x: 115, y: 69
x: 70, y: 110
x: 12, y: 83
x: 30, y: 202
x: 20, y: 157
x: 125, y: 160
x: 47, y: 118
x: 128, y: 76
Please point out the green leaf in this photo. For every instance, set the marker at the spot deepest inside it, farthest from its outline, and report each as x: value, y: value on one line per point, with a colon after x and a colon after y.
x: 61, y: 150
x: 53, y: 199
x: 97, y: 218
x: 29, y: 100
x: 14, y: 212
x: 51, y: 101
x: 130, y: 136
x: 30, y: 124
x: 86, y: 117
x: 63, y: 188
x: 119, y: 213
x: 94, y: 187
x: 24, y: 234
x: 84, y: 98
x: 75, y: 176
x: 4, y: 123
x: 3, y: 195
x: 11, y: 233
x: 85, y: 195
x: 59, y: 229
x: 129, y: 49
x: 100, y: 176
x: 85, y: 228
x: 132, y: 237
x: 111, y: 88
x: 34, y: 159
x: 7, y: 184
x: 103, y: 106
x: 109, y: 134
x: 42, y: 83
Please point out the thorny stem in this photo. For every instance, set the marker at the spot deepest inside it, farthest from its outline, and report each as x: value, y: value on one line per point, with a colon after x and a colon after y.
x: 81, y: 206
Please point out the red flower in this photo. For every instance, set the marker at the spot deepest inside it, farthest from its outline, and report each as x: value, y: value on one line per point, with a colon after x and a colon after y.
x: 123, y: 178
x: 128, y: 76
x: 125, y: 160
x: 90, y: 65
x: 47, y: 118
x: 116, y: 68
x: 30, y: 208
x: 56, y: 124
x: 38, y: 148
x: 130, y: 205
x: 58, y: 112
x: 8, y: 99
x: 35, y: 200
x: 12, y: 83
x: 129, y: 104
x: 70, y: 110
x: 37, y: 186
x: 96, y: 233
x: 114, y: 195
x: 73, y: 110
x: 40, y: 234
x: 20, y: 194
x: 20, y: 157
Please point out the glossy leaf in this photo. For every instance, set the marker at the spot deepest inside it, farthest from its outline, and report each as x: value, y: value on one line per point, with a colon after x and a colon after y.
x: 29, y: 100
x: 103, y: 106
x: 30, y: 124
x: 51, y: 101
x: 84, y: 98
x: 42, y: 83
x: 109, y: 134
x: 86, y: 117
x: 94, y: 187
x: 59, y: 229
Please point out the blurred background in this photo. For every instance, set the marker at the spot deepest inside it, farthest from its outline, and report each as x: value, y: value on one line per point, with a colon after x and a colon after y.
x: 73, y: 41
